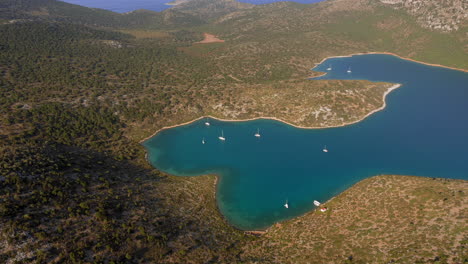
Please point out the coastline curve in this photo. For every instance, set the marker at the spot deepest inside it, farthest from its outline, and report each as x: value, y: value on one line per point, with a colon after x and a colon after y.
x: 393, y: 87
x: 312, y: 127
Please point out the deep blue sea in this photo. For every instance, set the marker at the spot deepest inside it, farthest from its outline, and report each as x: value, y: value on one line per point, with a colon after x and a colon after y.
x: 422, y: 131
x: 122, y: 6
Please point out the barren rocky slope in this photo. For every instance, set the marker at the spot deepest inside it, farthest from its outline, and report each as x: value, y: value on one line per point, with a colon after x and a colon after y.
x: 444, y: 15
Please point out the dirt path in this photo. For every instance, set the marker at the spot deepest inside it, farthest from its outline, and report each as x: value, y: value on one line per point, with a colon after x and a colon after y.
x: 209, y: 38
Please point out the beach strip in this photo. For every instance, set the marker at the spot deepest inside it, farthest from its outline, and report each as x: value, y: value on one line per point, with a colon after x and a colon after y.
x: 390, y: 89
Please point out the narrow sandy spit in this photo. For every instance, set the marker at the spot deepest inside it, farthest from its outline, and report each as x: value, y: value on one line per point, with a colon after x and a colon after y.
x: 321, y: 127
x: 393, y: 54
x: 280, y: 120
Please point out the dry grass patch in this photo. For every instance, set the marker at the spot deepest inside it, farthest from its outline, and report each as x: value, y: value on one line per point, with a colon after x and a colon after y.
x: 209, y: 38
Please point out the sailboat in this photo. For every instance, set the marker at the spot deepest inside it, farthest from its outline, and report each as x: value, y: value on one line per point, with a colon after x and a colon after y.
x: 222, y: 138
x: 207, y: 123
x: 325, y: 149
x: 286, y: 205
x: 349, y: 70
x: 258, y: 133
x: 329, y: 68
x: 316, y: 203
x: 203, y: 141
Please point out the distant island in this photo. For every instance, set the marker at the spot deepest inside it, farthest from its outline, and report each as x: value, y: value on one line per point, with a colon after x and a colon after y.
x: 177, y: 2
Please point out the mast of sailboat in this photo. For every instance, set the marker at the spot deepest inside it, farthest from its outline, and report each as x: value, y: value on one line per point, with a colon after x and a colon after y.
x: 258, y: 132
x: 222, y: 136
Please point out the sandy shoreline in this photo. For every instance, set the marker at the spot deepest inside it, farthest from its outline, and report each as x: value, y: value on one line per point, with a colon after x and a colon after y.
x: 393, y: 54
x: 390, y: 89
x: 321, y: 127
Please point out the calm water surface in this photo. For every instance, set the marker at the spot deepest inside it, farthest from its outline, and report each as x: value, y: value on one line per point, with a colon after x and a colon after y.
x: 122, y: 6
x: 422, y: 131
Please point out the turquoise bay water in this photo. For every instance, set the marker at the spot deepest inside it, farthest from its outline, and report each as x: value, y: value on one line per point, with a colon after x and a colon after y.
x: 422, y: 131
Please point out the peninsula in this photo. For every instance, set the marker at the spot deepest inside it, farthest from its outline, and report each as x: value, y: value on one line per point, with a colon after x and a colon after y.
x: 81, y: 87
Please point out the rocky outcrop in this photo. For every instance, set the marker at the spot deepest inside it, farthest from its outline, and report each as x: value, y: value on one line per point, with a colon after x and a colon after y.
x: 442, y: 15
x: 210, y: 9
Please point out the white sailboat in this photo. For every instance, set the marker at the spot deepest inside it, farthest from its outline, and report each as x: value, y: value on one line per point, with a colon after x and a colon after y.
x: 316, y: 203
x: 258, y: 133
x: 203, y: 141
x: 349, y: 70
x: 329, y: 68
x: 286, y: 205
x: 325, y: 149
x: 207, y: 123
x: 222, y: 138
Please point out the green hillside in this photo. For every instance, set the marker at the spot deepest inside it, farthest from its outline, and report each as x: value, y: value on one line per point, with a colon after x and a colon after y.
x: 53, y: 10
x: 80, y: 87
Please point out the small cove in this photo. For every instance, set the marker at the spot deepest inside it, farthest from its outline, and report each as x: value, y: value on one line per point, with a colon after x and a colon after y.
x: 423, y: 131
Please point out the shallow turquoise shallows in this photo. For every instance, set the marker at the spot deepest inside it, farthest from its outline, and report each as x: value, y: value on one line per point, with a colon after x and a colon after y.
x: 422, y: 131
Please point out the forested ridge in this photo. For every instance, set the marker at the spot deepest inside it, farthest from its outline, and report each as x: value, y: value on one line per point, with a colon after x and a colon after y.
x: 53, y: 10
x: 80, y: 87
x: 69, y: 93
